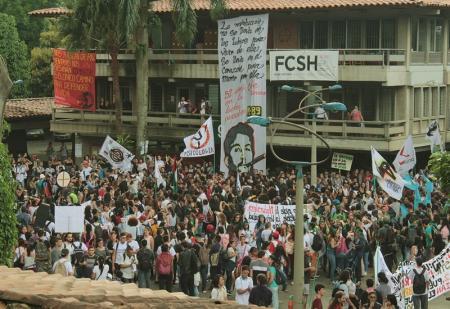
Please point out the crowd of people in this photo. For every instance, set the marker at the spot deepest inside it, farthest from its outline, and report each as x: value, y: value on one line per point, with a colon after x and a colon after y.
x: 194, y: 234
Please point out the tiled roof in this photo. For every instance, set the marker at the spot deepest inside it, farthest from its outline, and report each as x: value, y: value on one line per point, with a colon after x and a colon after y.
x: 55, y: 291
x: 28, y: 108
x: 259, y: 5
x: 50, y: 12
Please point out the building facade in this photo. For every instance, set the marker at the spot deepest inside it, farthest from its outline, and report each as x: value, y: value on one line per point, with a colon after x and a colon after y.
x: 393, y: 64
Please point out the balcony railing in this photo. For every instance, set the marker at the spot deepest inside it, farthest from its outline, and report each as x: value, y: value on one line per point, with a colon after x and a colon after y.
x: 360, y: 57
x: 331, y: 129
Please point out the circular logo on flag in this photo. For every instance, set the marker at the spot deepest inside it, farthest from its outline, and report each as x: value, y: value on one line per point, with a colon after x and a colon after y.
x: 63, y: 179
x: 116, y: 155
x: 201, y: 138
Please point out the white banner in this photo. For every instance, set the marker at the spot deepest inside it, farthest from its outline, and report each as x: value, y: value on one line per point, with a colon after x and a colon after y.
x: 434, y: 136
x: 438, y: 269
x: 242, y: 44
x: 117, y: 155
x: 201, y: 143
x: 406, y: 157
x: 388, y: 179
x: 69, y: 219
x: 276, y: 214
x: 341, y: 161
x: 304, y: 65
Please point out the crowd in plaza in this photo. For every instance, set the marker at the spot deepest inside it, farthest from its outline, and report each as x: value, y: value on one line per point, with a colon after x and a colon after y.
x: 192, y: 232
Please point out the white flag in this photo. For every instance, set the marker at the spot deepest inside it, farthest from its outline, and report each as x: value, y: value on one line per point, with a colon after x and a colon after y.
x: 406, y: 157
x: 391, y: 182
x: 238, y: 183
x: 159, y: 178
x: 117, y: 155
x: 201, y: 143
x: 434, y: 136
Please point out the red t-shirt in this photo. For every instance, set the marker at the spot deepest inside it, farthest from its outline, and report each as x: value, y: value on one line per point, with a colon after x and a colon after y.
x: 317, y: 304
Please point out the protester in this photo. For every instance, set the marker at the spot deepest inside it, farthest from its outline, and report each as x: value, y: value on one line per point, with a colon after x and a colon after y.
x: 219, y: 292
x: 261, y: 295
x: 317, y: 302
x: 244, y: 285
x: 420, y: 279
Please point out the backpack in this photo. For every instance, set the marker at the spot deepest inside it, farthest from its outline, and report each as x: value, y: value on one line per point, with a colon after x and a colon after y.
x: 60, y: 268
x: 42, y: 253
x: 317, y: 243
x: 215, y: 259
x: 77, y: 254
x: 145, y: 259
x: 164, y: 266
x: 419, y: 283
x: 204, y: 256
x: 98, y: 232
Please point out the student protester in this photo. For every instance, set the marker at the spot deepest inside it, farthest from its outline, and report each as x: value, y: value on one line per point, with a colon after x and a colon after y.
x: 261, y: 295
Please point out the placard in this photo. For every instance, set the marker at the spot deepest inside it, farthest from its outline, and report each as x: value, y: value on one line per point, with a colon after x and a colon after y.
x: 304, y: 65
x: 69, y: 219
x: 276, y: 214
x: 342, y: 161
x: 242, y: 45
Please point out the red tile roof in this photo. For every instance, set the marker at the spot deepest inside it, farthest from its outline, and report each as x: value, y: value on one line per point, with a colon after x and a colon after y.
x: 268, y: 5
x: 50, y: 12
x: 17, y: 109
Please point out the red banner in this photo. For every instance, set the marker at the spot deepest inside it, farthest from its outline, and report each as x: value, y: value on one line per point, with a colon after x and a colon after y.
x: 74, y: 79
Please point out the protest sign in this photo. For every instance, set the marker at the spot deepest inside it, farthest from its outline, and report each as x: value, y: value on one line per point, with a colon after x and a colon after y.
x: 201, y: 143
x: 242, y: 45
x: 276, y: 214
x: 74, y: 79
x: 341, y: 161
x: 304, y: 65
x: 69, y: 219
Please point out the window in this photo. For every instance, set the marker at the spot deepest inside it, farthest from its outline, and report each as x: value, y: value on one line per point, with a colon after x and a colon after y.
x: 156, y: 96
x: 436, y: 35
x: 422, y: 35
x: 426, y: 102
x: 354, y: 34
x: 373, y: 34
x: 388, y: 33
x: 442, y: 100
x: 434, y: 101
x: 321, y: 34
x: 338, y: 34
x: 387, y: 104
x: 417, y: 102
x: 307, y: 35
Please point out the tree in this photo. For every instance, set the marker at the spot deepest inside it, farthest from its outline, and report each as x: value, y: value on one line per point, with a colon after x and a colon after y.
x: 15, y: 52
x: 439, y: 166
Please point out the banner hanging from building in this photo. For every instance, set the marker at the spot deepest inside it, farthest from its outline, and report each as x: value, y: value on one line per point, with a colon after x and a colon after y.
x: 401, y: 282
x: 242, y: 44
x: 74, y: 79
x: 341, y: 161
x: 304, y: 65
x: 276, y: 214
x: 117, y: 155
x: 201, y: 143
x: 388, y: 179
x: 406, y: 157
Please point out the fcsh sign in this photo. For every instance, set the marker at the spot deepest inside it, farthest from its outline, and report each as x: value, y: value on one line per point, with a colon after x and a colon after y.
x: 304, y: 65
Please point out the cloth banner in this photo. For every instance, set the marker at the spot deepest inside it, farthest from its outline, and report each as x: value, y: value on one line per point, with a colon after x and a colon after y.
x: 201, y: 143
x: 341, y: 161
x: 438, y: 269
x: 434, y: 136
x: 74, y: 79
x: 276, y: 214
x: 391, y: 182
x: 304, y: 65
x: 69, y: 219
x: 117, y: 155
x: 242, y: 45
x: 406, y: 157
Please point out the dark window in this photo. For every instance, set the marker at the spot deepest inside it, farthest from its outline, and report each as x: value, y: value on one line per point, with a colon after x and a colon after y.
x: 306, y: 35
x: 321, y: 34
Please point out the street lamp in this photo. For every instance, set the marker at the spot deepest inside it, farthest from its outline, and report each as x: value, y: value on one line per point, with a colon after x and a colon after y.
x: 299, y: 257
x: 313, y: 140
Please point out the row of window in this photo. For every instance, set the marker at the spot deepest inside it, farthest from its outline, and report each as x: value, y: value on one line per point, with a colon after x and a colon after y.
x: 429, y: 101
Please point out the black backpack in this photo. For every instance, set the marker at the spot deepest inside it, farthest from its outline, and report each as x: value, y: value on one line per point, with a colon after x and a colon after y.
x: 77, y: 254
x: 419, y: 283
x: 317, y: 243
x: 145, y: 259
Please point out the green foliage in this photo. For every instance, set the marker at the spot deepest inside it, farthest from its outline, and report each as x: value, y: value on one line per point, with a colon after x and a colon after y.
x: 41, y: 82
x: 126, y: 141
x: 218, y: 9
x: 8, y: 221
x: 439, y: 166
x: 15, y: 52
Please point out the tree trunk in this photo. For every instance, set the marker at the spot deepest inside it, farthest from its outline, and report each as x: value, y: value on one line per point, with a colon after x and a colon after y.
x: 141, y: 53
x: 116, y: 89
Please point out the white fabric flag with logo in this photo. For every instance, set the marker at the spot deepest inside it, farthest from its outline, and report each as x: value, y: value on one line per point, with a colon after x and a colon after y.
x: 434, y: 136
x: 117, y: 155
x: 159, y: 178
x: 391, y: 182
x: 201, y: 143
x: 406, y: 157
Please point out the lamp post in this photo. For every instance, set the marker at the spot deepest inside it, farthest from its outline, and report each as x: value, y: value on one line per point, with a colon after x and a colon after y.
x: 299, y: 256
x: 313, y: 140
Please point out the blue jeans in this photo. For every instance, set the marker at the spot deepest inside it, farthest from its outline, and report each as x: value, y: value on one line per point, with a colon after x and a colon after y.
x: 204, y: 276
x: 144, y: 278
x: 275, y: 302
x: 366, y: 261
x: 420, y: 301
x: 331, y: 256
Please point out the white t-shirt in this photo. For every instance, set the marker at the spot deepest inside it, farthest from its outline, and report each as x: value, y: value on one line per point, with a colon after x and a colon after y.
x: 242, y: 283
x: 100, y: 275
x: 120, y: 250
x: 419, y: 270
x: 85, y: 172
x: 67, y: 264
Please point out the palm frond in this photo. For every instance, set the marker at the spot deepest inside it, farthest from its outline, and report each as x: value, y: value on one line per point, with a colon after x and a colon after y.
x: 130, y: 16
x: 218, y: 9
x: 185, y: 20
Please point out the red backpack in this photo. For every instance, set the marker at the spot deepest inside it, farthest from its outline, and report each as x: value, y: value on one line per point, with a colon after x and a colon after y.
x: 165, y: 264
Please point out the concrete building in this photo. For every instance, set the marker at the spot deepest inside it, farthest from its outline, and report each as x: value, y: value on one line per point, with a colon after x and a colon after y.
x: 393, y: 64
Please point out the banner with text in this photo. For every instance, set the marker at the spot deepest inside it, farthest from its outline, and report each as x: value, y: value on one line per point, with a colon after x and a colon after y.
x: 341, y: 161
x: 242, y: 48
x: 276, y: 214
x: 201, y: 143
x: 74, y: 79
x: 304, y: 65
